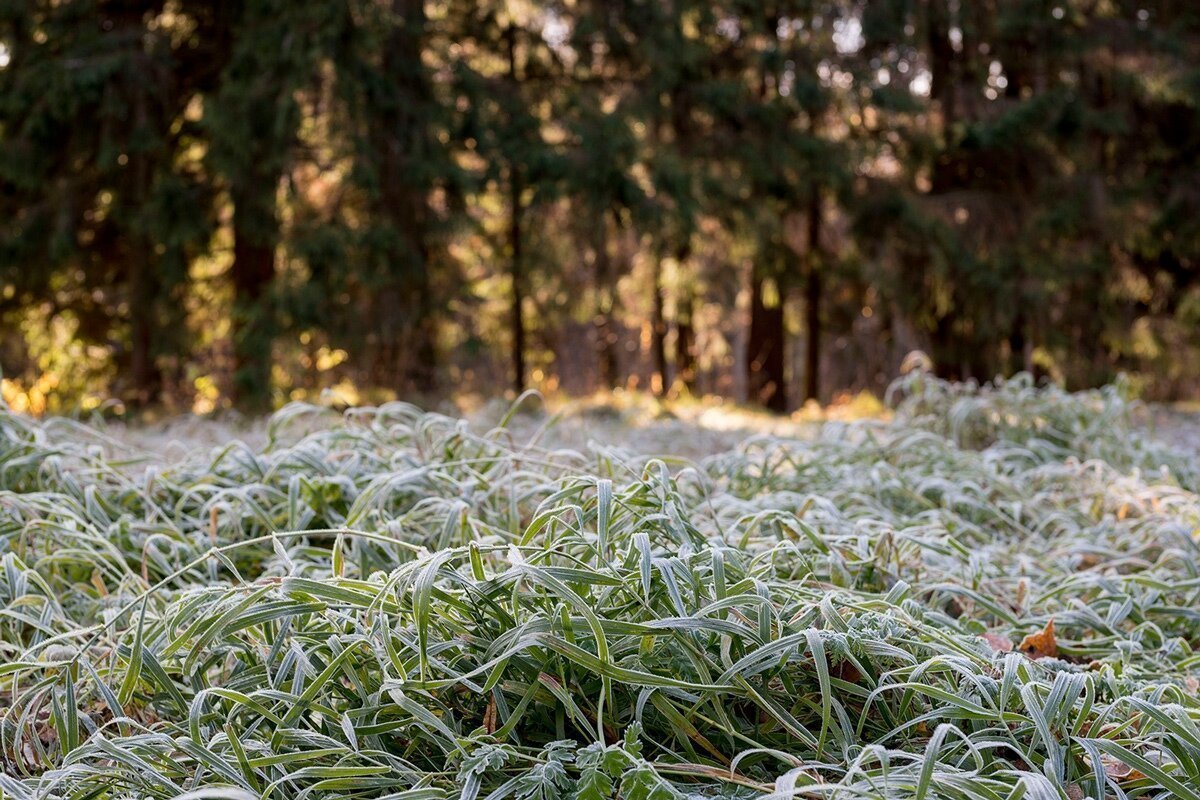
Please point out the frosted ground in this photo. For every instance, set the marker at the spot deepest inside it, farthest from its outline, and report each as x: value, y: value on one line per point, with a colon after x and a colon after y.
x: 989, y: 593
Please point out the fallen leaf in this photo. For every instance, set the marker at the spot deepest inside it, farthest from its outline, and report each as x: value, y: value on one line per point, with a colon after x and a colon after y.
x: 1192, y: 684
x: 1119, y: 770
x: 998, y: 642
x: 489, y: 716
x: 1075, y: 792
x: 1041, y: 644
x: 846, y: 671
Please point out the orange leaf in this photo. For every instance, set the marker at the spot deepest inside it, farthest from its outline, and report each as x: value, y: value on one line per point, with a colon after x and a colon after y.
x: 1041, y: 644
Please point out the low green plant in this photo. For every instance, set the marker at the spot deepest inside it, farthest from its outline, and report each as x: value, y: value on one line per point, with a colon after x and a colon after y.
x: 387, y: 603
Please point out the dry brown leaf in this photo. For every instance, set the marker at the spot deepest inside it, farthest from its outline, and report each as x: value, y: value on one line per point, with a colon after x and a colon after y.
x: 846, y: 671
x: 1119, y: 770
x: 489, y: 716
x: 1192, y: 685
x: 1075, y: 792
x: 1041, y: 644
x: 998, y: 642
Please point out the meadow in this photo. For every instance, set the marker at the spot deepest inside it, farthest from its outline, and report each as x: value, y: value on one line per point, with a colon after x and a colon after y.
x: 992, y: 593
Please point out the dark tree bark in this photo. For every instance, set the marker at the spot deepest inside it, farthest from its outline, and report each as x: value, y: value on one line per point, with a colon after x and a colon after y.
x: 943, y: 89
x: 812, y: 303
x: 143, y: 368
x: 606, y: 337
x: 765, y: 380
x: 516, y: 187
x: 144, y: 284
x: 941, y: 61
x: 685, y: 342
x: 685, y: 327
x: 399, y: 139
x: 143, y: 297
x: 517, y: 321
x: 658, y: 330
x: 253, y: 271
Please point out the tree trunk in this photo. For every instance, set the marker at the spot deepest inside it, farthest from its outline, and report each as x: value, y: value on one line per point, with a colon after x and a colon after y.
x: 516, y: 187
x: 658, y: 330
x: 399, y: 136
x: 143, y: 277
x: 144, y: 372
x: 685, y: 327
x: 518, y: 285
x: 253, y: 270
x: 765, y: 380
x: 812, y: 344
x: 942, y: 87
x: 685, y: 341
x: 606, y: 337
x: 812, y: 304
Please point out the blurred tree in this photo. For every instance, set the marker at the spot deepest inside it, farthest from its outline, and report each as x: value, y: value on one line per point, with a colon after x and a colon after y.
x: 403, y: 164
x: 508, y: 78
x: 101, y: 214
x: 252, y: 121
x: 657, y: 72
x: 784, y: 65
x: 433, y: 198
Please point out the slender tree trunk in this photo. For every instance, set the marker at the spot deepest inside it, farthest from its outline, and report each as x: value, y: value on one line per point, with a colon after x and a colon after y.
x: 143, y: 369
x: 606, y: 337
x: 658, y: 331
x: 253, y: 271
x: 943, y: 89
x: 516, y: 187
x: 143, y: 281
x: 812, y: 344
x: 685, y: 341
x: 143, y: 305
x: 946, y: 362
x: 1019, y: 350
x: 941, y: 62
x: 518, y: 284
x: 399, y: 137
x: 765, y: 379
x: 685, y: 327
x: 812, y: 303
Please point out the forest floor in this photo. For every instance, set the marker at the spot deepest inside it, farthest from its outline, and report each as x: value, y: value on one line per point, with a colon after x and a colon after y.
x: 1178, y: 425
x: 987, y: 592
x: 636, y: 423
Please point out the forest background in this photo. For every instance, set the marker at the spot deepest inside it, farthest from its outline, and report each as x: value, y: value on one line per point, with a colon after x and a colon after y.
x: 211, y: 205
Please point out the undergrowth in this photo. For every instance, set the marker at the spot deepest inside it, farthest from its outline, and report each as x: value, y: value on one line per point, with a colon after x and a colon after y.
x: 991, y: 595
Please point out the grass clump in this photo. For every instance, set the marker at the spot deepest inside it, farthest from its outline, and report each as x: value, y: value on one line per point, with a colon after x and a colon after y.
x: 991, y: 595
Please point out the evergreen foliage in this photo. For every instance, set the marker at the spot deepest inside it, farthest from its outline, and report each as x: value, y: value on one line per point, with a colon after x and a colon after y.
x: 771, y: 200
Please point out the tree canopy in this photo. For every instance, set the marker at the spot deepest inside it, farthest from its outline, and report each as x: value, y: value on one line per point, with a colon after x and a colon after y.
x: 205, y: 205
